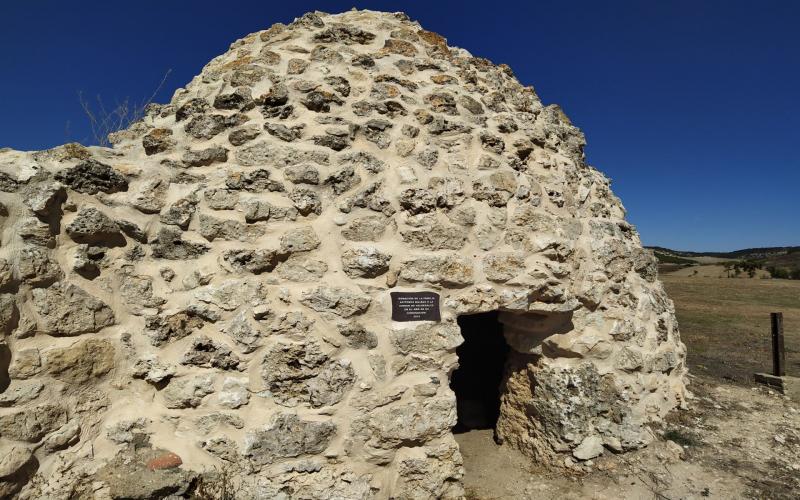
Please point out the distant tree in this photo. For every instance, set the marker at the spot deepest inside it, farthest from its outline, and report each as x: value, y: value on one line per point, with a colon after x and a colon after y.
x: 781, y: 273
x: 728, y: 268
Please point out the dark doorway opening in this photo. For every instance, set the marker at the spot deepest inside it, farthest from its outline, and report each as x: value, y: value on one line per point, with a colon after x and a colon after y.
x: 481, y: 364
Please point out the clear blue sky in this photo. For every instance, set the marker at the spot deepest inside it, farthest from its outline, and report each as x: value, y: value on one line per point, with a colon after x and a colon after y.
x: 691, y: 107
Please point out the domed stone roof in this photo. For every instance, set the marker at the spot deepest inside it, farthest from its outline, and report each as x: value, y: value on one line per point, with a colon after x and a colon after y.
x: 219, y: 283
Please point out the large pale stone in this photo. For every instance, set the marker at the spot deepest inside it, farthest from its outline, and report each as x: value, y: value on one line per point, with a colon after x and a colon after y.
x: 452, y: 271
x: 188, y: 392
x: 590, y: 447
x: 287, y: 436
x: 427, y: 338
x: 80, y: 362
x: 37, y: 267
x: 65, y: 310
x: 365, y: 262
x: 340, y: 301
x: 33, y: 423
x: 415, y: 422
x: 93, y: 226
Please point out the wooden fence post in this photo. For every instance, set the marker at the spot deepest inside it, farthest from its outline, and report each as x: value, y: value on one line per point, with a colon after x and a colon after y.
x: 778, y: 352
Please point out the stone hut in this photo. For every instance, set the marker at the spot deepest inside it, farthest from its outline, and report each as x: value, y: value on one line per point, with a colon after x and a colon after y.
x: 339, y: 242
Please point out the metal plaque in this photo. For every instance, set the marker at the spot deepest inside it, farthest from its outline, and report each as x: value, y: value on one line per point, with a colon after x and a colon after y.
x: 415, y: 306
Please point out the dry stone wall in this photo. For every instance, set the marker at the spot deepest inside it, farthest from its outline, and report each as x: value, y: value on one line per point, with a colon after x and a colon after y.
x: 213, y: 291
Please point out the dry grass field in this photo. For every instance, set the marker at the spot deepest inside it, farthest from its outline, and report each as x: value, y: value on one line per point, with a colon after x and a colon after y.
x: 726, y: 326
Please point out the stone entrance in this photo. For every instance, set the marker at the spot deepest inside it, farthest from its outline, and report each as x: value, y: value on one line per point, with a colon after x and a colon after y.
x: 476, y: 382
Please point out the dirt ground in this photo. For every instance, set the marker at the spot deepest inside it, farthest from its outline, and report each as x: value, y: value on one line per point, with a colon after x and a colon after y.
x: 734, y: 442
x: 737, y: 440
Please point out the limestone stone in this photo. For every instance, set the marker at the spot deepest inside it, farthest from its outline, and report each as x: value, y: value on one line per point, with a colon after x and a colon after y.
x: 187, y: 392
x: 282, y: 132
x: 127, y: 476
x: 169, y: 244
x: 345, y: 34
x: 436, y: 473
x: 504, y: 266
x: 255, y: 181
x: 449, y: 271
x: 495, y: 189
x: 414, y: 422
x: 25, y: 364
x: 435, y: 236
x: 230, y: 295
x: 149, y: 197
x: 205, y: 157
x: 17, y: 463
x: 417, y: 200
x: 301, y: 270
x: 6, y: 273
x: 427, y: 338
x: 590, y: 447
x: 340, y: 301
x: 36, y: 267
x: 36, y: 232
x: 303, y: 239
x: 221, y: 199
x: 125, y: 431
x: 190, y: 108
x: 93, y: 226
x: 158, y: 141
x: 331, y: 384
x: 207, y: 126
x: 365, y: 262
x: 302, y: 174
x: 252, y: 261
x: 151, y: 369
x: 285, y: 378
x: 238, y: 99
x: 92, y: 177
x: 287, y: 436
x: 212, y: 228
x: 45, y: 199
x: 368, y: 228
x: 255, y: 210
x: 206, y: 353
x: 234, y: 393
x: 162, y: 329
x: 33, y: 423
x: 244, y: 134
x: 132, y: 230
x: 19, y: 393
x: 137, y: 290
x: 179, y: 213
x: 64, y: 437
x: 66, y: 310
x: 242, y: 330
x: 14, y: 459
x: 80, y: 362
x: 306, y: 201
x: 9, y: 314
x: 358, y: 337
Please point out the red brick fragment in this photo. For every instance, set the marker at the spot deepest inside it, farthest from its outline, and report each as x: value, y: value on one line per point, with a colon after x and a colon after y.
x: 167, y: 460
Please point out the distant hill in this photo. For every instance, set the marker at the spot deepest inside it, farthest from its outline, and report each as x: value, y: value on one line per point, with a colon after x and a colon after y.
x: 744, y: 254
x: 780, y: 262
